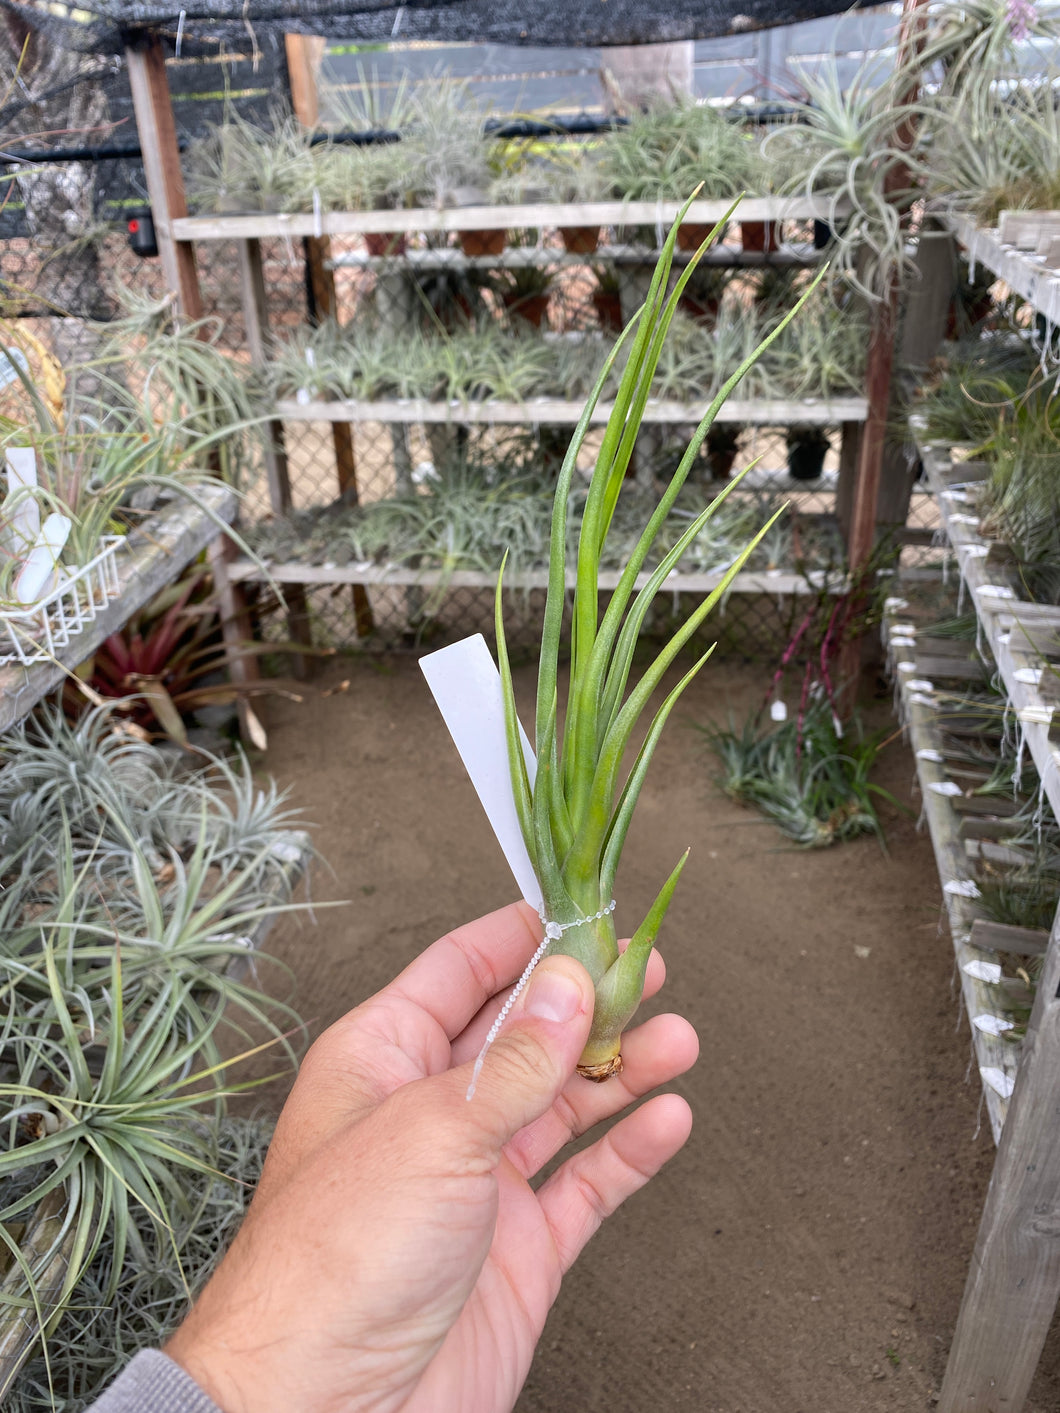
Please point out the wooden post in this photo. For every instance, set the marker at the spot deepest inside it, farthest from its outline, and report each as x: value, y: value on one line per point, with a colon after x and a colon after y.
x: 305, y: 54
x: 165, y: 185
x: 256, y: 318
x: 1014, y: 1279
x: 880, y: 363
x: 165, y: 181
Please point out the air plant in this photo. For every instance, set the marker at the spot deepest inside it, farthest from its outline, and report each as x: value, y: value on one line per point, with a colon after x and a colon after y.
x: 843, y: 150
x: 122, y: 914
x: 575, y: 815
x: 98, y: 1335
x: 664, y: 151
x: 809, y: 780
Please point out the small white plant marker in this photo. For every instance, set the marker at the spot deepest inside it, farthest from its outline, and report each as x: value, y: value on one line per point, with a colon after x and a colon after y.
x: 21, y: 510
x: 466, y: 685
x: 1000, y: 1082
x: 40, y: 569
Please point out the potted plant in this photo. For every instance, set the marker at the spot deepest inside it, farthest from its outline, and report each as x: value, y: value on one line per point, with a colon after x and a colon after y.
x: 670, y: 149
x: 607, y: 299
x: 524, y: 292
x: 722, y: 443
x: 573, y: 177
x: 452, y: 160
x: 808, y: 446
x: 702, y: 295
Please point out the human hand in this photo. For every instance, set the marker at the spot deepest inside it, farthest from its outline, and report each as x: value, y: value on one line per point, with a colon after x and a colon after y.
x: 395, y: 1256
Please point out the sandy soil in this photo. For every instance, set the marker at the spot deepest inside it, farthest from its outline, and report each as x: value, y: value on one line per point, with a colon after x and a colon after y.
x: 808, y: 1249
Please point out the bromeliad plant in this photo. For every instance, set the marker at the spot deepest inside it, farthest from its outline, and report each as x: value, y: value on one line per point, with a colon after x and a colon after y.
x: 576, y: 813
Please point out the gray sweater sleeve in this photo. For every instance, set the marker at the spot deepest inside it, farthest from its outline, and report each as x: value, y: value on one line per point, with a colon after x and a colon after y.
x: 152, y: 1383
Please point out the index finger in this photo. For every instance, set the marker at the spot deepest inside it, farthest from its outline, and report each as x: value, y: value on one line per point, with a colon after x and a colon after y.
x: 459, y: 973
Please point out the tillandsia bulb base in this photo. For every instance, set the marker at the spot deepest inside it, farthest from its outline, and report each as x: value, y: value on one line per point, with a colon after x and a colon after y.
x: 575, y: 813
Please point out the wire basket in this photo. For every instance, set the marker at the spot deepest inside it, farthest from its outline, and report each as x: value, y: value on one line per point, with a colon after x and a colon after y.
x: 37, y: 633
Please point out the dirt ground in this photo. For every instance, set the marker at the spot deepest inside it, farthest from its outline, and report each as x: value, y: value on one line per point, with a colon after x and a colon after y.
x: 807, y: 1250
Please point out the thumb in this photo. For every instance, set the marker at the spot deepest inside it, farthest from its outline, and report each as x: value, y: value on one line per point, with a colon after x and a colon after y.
x: 535, y: 1053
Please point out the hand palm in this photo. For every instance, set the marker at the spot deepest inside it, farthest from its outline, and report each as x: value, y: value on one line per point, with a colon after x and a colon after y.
x: 395, y: 1256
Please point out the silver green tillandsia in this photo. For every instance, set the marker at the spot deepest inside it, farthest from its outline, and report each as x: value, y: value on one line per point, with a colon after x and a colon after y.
x: 576, y: 815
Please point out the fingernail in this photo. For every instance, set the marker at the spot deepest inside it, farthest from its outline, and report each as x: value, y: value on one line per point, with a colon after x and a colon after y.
x: 553, y: 995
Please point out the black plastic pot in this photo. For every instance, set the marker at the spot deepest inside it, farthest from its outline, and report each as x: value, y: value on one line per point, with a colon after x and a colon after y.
x: 806, y: 459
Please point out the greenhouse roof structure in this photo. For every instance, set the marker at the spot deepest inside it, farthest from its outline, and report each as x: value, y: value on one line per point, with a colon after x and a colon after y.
x: 109, y: 26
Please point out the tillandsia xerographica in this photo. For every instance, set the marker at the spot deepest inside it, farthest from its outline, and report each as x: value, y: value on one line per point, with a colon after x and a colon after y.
x: 576, y: 814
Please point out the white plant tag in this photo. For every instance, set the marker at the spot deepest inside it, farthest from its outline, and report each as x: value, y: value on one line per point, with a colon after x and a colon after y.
x: 920, y: 684
x: 894, y: 605
x: 994, y: 591
x: 466, y: 685
x: 905, y: 666
x: 1029, y: 676
x: 961, y: 888
x: 929, y: 753
x: 1000, y: 1082
x: 983, y: 971
x: 778, y: 711
x: 992, y: 1025
x: 945, y: 787
x: 12, y: 362
x: 21, y: 510
x: 40, y: 570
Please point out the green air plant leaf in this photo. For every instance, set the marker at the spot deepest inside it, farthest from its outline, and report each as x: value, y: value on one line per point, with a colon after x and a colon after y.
x: 575, y: 817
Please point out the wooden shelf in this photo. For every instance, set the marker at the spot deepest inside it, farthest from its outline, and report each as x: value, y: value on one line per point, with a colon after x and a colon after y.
x: 257, y: 226
x: 153, y: 556
x: 521, y: 257
x: 1010, y: 627
x: 558, y: 411
x: 996, y: 1057
x: 1023, y: 271
x: 395, y: 576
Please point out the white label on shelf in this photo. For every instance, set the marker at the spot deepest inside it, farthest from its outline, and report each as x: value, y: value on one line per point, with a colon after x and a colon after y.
x: 905, y: 666
x: 944, y: 787
x: 1029, y: 676
x: 983, y: 971
x: 1004, y: 638
x: 918, y: 699
x: 958, y: 518
x: 961, y: 888
x: 1000, y: 1082
x: 903, y: 644
x: 957, y: 496
x: 903, y: 630
x: 40, y: 569
x: 12, y: 362
x: 929, y: 753
x: 920, y: 684
x: 21, y: 523
x: 971, y: 551
x: 994, y: 591
x: 894, y: 605
x: 992, y: 1025
x: 466, y: 685
x: 1035, y: 715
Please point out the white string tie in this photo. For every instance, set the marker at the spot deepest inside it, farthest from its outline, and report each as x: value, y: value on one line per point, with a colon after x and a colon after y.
x: 553, y: 932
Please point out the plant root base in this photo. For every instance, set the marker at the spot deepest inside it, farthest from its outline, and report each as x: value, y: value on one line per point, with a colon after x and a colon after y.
x: 598, y: 1073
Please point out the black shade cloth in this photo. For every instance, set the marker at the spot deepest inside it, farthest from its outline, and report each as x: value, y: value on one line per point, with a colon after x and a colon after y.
x: 204, y: 26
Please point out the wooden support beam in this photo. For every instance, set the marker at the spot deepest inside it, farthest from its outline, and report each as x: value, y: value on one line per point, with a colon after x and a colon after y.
x: 165, y: 181
x: 274, y: 451
x: 1014, y: 1279
x: 305, y: 54
x: 157, y: 130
